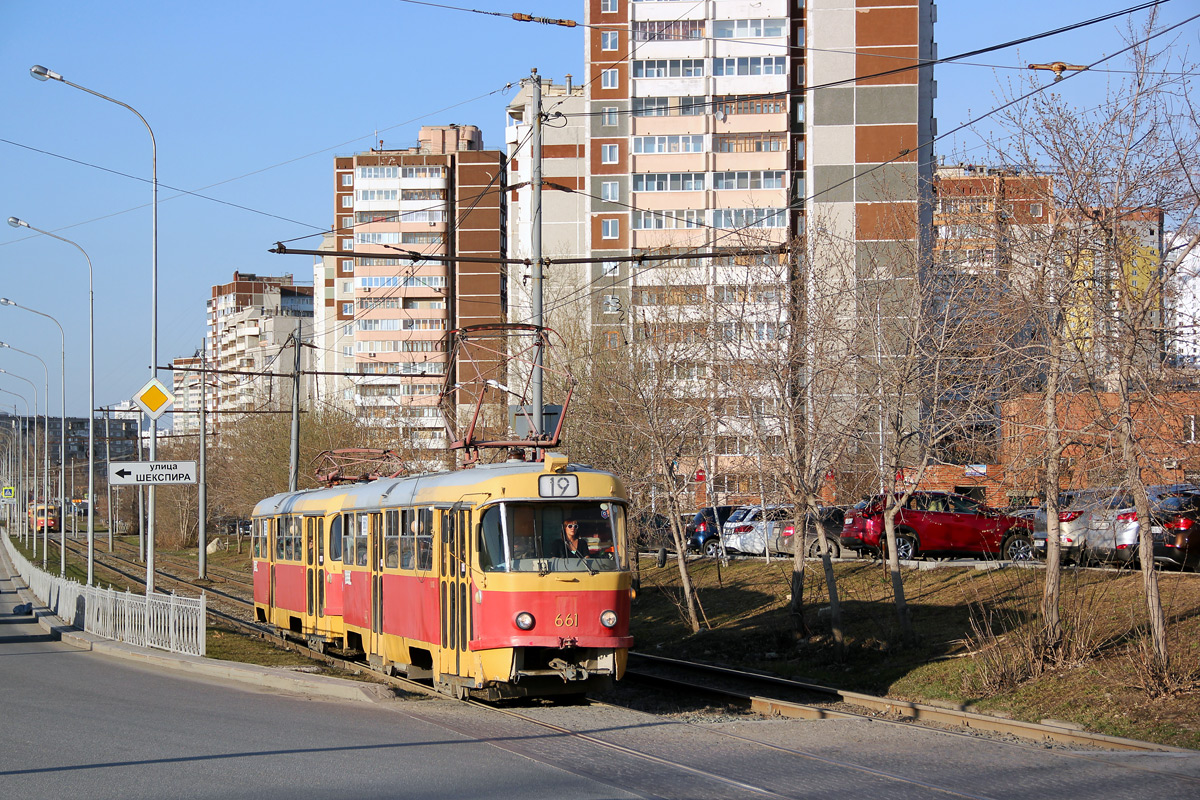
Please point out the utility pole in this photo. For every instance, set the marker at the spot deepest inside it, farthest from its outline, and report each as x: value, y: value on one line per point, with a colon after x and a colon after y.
x: 294, y: 461
x: 107, y: 461
x: 202, y: 499
x: 535, y: 241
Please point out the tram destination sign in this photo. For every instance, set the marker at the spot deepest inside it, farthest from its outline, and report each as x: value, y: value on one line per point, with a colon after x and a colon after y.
x: 151, y: 473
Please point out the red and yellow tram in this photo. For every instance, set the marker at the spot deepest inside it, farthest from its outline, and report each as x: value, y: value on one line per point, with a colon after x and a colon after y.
x: 466, y: 578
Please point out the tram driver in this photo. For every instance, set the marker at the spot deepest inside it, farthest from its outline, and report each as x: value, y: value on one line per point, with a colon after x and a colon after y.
x: 572, y: 544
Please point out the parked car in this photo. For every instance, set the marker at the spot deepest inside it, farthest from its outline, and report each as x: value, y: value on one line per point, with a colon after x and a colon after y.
x: 1175, y: 531
x: 1113, y: 530
x: 830, y: 520
x: 939, y: 522
x: 1075, y: 509
x: 750, y: 529
x: 652, y: 531
x: 703, y: 533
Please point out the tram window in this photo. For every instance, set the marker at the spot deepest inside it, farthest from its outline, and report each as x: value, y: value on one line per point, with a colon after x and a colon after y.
x: 361, y: 543
x: 280, y: 538
x: 348, y: 538
x: 408, y: 533
x: 289, y: 539
x: 391, y: 539
x: 320, y: 540
x: 335, y: 538
x: 536, y: 542
x: 309, y: 531
x: 424, y: 539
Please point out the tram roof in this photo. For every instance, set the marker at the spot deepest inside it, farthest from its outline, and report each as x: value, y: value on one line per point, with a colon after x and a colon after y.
x: 403, y: 490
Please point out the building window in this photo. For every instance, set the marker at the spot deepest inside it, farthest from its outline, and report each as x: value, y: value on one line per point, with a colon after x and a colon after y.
x: 611, y: 304
x: 608, y: 40
x: 748, y: 142
x: 660, y: 30
x: 347, y: 309
x: 608, y: 154
x: 650, y: 106
x: 608, y: 79
x: 749, y: 218
x: 347, y: 265
x: 347, y: 201
x: 610, y: 191
x: 766, y: 179
x: 610, y: 267
x: 347, y: 179
x: 610, y: 228
x: 611, y: 340
x: 750, y: 65
x: 747, y: 28
x: 347, y: 222
x: 609, y: 118
x: 348, y: 351
x: 608, y: 6
x: 1189, y: 427
x: 669, y: 182
x: 693, y: 143
x: 1035, y: 209
x: 760, y: 104
x: 669, y: 68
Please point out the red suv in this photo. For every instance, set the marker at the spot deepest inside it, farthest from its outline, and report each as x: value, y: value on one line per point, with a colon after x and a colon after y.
x: 939, y: 522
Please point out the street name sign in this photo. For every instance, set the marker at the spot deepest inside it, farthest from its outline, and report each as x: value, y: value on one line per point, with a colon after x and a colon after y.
x: 151, y: 473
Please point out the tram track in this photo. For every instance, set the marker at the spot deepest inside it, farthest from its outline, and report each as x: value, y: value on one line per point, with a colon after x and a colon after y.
x: 774, y: 696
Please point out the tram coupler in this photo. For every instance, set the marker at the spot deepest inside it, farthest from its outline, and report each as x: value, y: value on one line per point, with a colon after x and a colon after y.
x: 569, y: 672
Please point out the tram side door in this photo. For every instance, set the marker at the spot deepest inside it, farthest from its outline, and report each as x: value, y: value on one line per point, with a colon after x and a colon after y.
x: 376, y: 562
x: 455, y: 591
x: 314, y: 573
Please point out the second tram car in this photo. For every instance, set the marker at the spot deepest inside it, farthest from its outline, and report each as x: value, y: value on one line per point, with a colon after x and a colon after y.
x: 504, y: 580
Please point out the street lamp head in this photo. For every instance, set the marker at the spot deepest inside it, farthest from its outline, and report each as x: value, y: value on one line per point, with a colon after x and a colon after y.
x: 41, y: 73
x: 3, y: 345
x: 4, y: 301
x: 17, y: 223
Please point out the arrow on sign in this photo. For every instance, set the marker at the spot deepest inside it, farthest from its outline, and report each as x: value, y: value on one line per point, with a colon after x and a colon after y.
x: 124, y: 473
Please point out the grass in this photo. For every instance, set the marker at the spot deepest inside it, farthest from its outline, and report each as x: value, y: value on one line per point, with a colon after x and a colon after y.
x: 746, y: 602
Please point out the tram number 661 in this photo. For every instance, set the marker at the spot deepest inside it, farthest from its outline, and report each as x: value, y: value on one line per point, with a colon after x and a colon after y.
x: 566, y: 621
x: 558, y: 486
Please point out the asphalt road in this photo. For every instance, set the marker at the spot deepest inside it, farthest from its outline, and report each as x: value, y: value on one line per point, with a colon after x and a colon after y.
x: 88, y: 724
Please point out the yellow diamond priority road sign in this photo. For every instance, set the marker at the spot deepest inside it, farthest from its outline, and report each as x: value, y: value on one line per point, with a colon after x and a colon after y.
x: 154, y: 398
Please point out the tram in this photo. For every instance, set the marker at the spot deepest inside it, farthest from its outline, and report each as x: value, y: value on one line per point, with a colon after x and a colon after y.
x: 499, y: 581
x: 43, y: 517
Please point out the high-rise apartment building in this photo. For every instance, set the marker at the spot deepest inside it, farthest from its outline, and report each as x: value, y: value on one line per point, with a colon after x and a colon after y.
x: 418, y: 215
x: 253, y: 323
x: 729, y: 124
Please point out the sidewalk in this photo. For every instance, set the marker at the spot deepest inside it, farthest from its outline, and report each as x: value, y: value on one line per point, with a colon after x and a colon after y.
x: 262, y: 678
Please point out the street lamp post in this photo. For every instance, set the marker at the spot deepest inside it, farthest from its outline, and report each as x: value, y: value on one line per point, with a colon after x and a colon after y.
x: 62, y: 439
x: 45, y: 449
x: 19, y: 433
x: 33, y: 464
x: 42, y: 73
x: 91, y: 518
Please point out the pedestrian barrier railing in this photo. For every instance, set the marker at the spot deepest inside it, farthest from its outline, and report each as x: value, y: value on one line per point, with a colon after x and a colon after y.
x: 162, y: 621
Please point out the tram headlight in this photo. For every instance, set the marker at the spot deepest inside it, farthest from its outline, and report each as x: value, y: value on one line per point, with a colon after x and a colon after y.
x: 524, y: 621
x: 608, y: 619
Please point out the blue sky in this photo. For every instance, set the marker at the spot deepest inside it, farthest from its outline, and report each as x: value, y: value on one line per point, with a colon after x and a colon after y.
x: 250, y: 102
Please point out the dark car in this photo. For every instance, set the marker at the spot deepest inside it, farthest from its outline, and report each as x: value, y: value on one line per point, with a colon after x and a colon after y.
x: 1175, y: 530
x: 652, y: 531
x: 703, y: 533
x: 939, y: 522
x: 830, y: 522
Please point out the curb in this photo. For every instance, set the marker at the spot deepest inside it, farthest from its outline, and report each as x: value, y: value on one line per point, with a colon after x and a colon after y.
x: 263, y: 678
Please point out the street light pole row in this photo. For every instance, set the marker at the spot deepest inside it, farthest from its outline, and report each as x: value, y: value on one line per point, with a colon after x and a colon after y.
x: 42, y: 74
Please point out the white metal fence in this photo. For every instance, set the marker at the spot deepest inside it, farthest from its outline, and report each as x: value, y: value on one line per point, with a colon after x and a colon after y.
x: 162, y: 621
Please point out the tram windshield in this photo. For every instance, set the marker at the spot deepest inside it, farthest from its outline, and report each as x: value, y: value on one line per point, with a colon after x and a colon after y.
x: 552, y: 537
